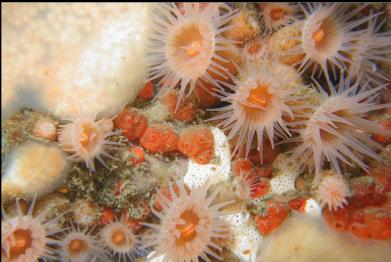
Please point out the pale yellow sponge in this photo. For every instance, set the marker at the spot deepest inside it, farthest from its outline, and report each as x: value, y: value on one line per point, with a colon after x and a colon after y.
x: 33, y: 168
x: 72, y: 58
x: 306, y: 238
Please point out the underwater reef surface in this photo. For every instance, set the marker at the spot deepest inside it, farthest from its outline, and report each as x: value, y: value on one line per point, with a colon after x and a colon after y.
x: 196, y: 132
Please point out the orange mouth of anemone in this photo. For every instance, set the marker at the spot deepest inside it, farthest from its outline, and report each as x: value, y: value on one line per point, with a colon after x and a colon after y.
x: 118, y: 238
x: 318, y: 36
x: 188, y: 229
x: 277, y: 14
x: 326, y: 36
x: 188, y: 42
x: 77, y: 247
x: 21, y: 241
x: 258, y: 96
x: 89, y: 135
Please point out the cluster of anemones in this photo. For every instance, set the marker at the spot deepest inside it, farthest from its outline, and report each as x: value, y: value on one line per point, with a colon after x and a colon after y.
x: 29, y: 237
x: 266, y: 101
x: 265, y: 98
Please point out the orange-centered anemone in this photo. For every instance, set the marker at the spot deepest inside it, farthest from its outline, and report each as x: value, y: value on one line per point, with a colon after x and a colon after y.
x: 190, y: 225
x: 327, y: 34
x: 277, y: 13
x: 187, y: 230
x: 76, y: 247
x: 20, y: 242
x: 258, y: 102
x: 119, y: 240
x: 259, y: 96
x: 318, y: 36
x: 336, y: 130
x: 86, y: 139
x: 80, y: 245
x: 184, y: 44
x: 188, y: 42
x: 26, y: 238
x: 89, y: 135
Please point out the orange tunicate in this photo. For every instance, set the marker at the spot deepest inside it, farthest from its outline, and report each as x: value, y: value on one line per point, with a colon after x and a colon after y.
x: 160, y: 138
x: 147, y: 91
x: 137, y: 155
x: 132, y: 123
x: 197, y: 144
x: 107, y: 216
x: 338, y: 219
x: 241, y: 165
x: 276, y: 214
x: 186, y: 111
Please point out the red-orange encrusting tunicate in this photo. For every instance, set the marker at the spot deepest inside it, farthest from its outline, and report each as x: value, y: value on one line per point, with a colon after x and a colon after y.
x: 147, y: 91
x: 186, y: 111
x: 132, y: 123
x: 338, y: 219
x: 277, y: 212
x: 198, y: 144
x: 160, y: 138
